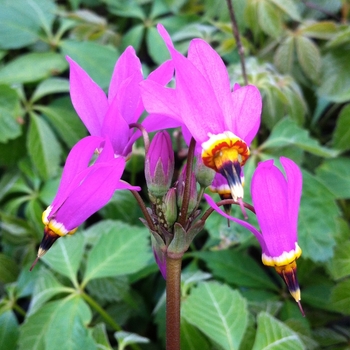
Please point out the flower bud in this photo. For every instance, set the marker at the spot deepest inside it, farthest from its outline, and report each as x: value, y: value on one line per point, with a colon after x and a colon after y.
x: 204, y: 175
x: 159, y: 164
x: 181, y: 189
x: 170, y: 207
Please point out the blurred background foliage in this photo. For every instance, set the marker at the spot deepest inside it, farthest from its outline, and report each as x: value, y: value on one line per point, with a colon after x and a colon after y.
x: 100, y: 289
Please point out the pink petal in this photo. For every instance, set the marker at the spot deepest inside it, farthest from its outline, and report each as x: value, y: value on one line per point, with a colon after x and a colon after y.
x: 210, y: 64
x: 92, y: 194
x: 165, y: 35
x: 245, y: 224
x: 294, y: 183
x: 77, y: 161
x: 88, y: 99
x: 247, y: 112
x: 127, y: 65
x: 270, y: 198
x: 163, y: 74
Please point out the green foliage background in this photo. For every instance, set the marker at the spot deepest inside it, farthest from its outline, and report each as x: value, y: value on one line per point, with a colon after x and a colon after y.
x: 101, y: 289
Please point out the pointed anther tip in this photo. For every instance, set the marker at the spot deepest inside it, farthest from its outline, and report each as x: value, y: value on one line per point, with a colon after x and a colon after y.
x: 34, y: 263
x: 301, y: 308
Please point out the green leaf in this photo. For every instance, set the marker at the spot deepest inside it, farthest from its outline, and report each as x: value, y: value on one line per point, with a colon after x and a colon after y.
x: 99, y: 333
x: 217, y: 311
x: 46, y: 287
x: 309, y: 57
x: 65, y: 256
x: 43, y: 148
x: 274, y: 335
x: 8, y: 269
x: 50, y: 86
x: 288, y: 133
x: 269, y: 19
x: 32, y: 67
x: 8, y: 330
x: 156, y: 46
x: 317, y: 220
x: 9, y: 104
x: 335, y: 80
x: 341, y: 135
x: 237, y: 269
x: 133, y: 37
x: 21, y: 20
x: 114, y: 253
x: 284, y: 56
x: 97, y: 60
x: 64, y: 119
x: 289, y: 7
x: 191, y: 338
x: 340, y: 297
x: 126, y: 8
x: 334, y: 173
x: 319, y: 30
x: 341, y: 38
x: 126, y: 338
x: 340, y: 264
x: 58, y: 325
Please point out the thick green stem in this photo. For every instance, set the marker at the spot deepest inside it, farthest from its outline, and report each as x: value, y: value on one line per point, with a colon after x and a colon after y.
x: 173, y: 303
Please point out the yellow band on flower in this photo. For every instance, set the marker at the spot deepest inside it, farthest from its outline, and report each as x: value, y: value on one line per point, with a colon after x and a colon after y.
x: 284, y: 259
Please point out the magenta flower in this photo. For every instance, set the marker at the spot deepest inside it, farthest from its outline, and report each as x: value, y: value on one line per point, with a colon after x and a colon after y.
x: 159, y: 164
x: 83, y: 189
x: 109, y: 116
x: 222, y: 122
x: 276, y: 200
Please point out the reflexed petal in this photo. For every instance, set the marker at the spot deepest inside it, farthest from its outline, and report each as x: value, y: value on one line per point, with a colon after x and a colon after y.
x: 160, y: 100
x: 210, y: 64
x: 294, y: 183
x: 115, y: 128
x: 127, y: 65
x: 93, y: 193
x: 77, y: 161
x: 123, y: 185
x: 88, y: 99
x: 165, y: 35
x: 269, y: 195
x: 163, y: 74
x: 245, y: 224
x: 247, y: 112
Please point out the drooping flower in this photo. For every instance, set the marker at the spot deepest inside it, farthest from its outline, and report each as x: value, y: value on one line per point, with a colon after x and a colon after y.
x: 222, y: 122
x: 83, y: 189
x: 159, y: 164
x: 276, y: 200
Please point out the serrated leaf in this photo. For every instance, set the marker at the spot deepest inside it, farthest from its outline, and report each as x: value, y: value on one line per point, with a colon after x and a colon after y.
x: 341, y: 135
x: 237, y: 269
x: 288, y: 133
x: 64, y: 119
x: 114, y: 253
x: 309, y: 57
x: 21, y: 20
x: 217, y: 311
x: 335, y: 79
x: 317, y: 220
x: 50, y: 86
x: 284, y: 56
x: 65, y: 256
x: 9, y: 330
x: 340, y: 297
x: 334, y: 174
x: 46, y: 287
x: 191, y: 338
x: 269, y: 19
x: 274, y: 335
x: 340, y: 264
x: 45, y: 328
x: 43, y: 148
x: 32, y: 67
x: 97, y: 60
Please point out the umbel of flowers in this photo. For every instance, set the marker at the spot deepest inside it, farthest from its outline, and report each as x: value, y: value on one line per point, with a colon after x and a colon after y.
x: 218, y: 123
